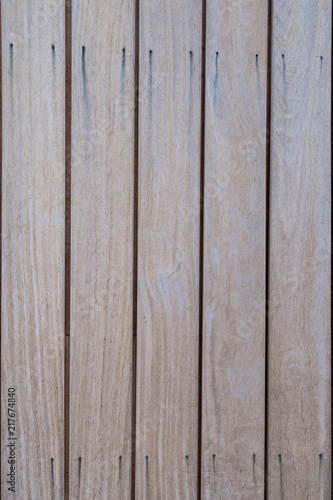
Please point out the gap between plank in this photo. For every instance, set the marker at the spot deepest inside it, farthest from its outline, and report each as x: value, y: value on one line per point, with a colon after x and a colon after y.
x: 68, y: 138
x: 331, y: 247
x: 0, y: 228
x: 201, y: 243
x: 268, y: 178
x: 135, y: 246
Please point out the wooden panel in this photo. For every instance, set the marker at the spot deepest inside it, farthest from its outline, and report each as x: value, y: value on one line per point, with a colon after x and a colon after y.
x: 102, y: 247
x: 168, y: 260
x: 234, y: 251
x: 299, y: 323
x: 33, y: 245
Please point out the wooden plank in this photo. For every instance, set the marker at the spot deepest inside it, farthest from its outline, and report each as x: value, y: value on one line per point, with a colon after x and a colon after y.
x: 168, y: 239
x: 299, y: 324
x: 33, y: 198
x: 233, y: 419
x: 102, y: 248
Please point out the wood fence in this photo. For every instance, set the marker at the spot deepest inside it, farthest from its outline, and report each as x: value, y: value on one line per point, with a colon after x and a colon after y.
x: 166, y: 249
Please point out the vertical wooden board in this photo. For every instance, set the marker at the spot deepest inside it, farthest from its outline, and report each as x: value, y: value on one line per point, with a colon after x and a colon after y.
x: 168, y: 248
x: 33, y: 245
x: 101, y: 248
x: 233, y: 418
x: 300, y: 238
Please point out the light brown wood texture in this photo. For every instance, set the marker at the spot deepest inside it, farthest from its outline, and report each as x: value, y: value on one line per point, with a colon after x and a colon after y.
x: 233, y: 414
x: 299, y: 425
x: 124, y: 293
x: 101, y: 248
x: 168, y: 239
x: 33, y: 198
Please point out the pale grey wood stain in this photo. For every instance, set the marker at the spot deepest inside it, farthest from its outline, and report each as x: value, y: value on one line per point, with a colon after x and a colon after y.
x: 168, y: 260
x: 300, y: 239
x: 102, y: 248
x: 33, y: 168
x: 33, y: 205
x: 234, y: 251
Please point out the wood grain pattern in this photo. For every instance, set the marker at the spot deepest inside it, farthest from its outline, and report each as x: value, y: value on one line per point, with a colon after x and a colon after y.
x: 299, y: 323
x: 168, y: 239
x: 102, y: 247
x: 37, y: 310
x: 234, y: 251
x: 33, y: 243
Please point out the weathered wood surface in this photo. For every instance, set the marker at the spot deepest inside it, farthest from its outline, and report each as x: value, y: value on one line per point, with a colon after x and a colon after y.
x: 234, y: 251
x: 103, y: 243
x: 33, y: 168
x: 168, y: 239
x: 299, y: 423
x: 101, y: 248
